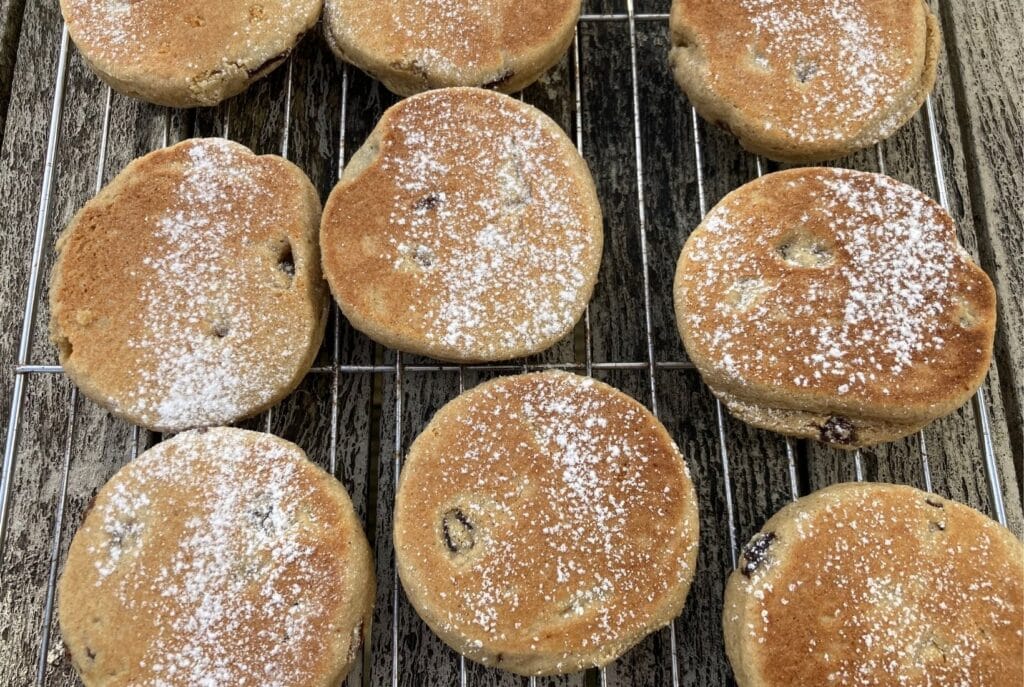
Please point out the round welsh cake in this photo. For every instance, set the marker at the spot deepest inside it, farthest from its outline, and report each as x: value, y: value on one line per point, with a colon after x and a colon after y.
x: 545, y: 523
x: 219, y: 557
x: 188, y: 293
x: 415, y: 45
x: 881, y: 585
x: 186, y: 54
x: 834, y: 305
x: 466, y: 228
x: 805, y: 80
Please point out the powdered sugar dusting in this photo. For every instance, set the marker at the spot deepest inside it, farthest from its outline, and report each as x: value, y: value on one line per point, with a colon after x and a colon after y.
x: 447, y: 41
x: 489, y: 222
x: 814, y: 70
x: 207, y: 553
x: 121, y: 524
x: 108, y: 22
x: 200, y: 361
x: 899, y: 588
x: 419, y: 25
x: 179, y: 32
x: 855, y: 284
x: 564, y: 484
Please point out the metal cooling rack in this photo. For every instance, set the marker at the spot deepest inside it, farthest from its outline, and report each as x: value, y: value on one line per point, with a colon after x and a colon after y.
x: 399, y: 370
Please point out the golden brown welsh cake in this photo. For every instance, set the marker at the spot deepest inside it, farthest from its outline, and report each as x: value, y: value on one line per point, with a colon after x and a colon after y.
x: 466, y: 228
x: 834, y: 305
x: 415, y: 45
x: 545, y: 523
x: 219, y: 557
x: 805, y: 80
x: 188, y: 293
x: 881, y: 585
x: 186, y: 54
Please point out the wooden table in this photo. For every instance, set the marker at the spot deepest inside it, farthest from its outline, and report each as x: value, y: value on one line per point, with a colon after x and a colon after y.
x: 344, y: 415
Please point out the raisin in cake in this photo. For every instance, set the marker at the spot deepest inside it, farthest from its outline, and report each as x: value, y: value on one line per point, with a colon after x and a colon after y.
x: 466, y: 228
x: 188, y: 292
x: 219, y: 557
x: 545, y: 523
x: 834, y: 305
x: 881, y: 585
x: 805, y: 80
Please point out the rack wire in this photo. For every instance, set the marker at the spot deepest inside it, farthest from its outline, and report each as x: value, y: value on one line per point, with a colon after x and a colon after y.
x: 399, y: 370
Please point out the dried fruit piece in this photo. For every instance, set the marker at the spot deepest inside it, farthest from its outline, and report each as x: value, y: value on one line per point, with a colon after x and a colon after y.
x: 838, y: 430
x: 756, y: 552
x: 458, y: 531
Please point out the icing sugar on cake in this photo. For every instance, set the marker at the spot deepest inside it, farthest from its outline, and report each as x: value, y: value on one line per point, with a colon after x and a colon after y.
x: 188, y: 292
x: 593, y: 509
x: 474, y: 233
x: 458, y: 18
x: 805, y: 80
x: 574, y: 522
x: 128, y: 29
x: 523, y: 238
x: 834, y: 37
x: 203, y: 599
x: 416, y: 45
x: 867, y: 585
x: 186, y: 53
x: 224, y: 558
x: 850, y: 282
x: 188, y: 373
x: 110, y: 23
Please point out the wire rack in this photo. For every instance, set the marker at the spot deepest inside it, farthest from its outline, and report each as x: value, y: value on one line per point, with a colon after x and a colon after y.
x: 395, y: 367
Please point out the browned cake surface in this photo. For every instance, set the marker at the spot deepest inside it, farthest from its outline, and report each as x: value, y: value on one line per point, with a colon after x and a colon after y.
x: 834, y: 293
x: 188, y: 293
x: 882, y: 585
x: 466, y: 228
x: 414, y: 45
x: 184, y: 54
x: 220, y: 557
x: 805, y: 80
x: 545, y: 523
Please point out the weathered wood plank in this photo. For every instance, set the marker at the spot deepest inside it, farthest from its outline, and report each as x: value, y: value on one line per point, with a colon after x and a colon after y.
x: 11, y: 15
x: 21, y: 161
x: 986, y: 72
x: 25, y: 566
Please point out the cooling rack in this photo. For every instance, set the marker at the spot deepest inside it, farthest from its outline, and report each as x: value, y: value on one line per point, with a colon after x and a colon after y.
x: 658, y: 168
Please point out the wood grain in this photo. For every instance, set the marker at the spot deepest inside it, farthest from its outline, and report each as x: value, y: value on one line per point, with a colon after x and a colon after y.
x: 985, y: 69
x: 11, y: 14
x: 347, y: 422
